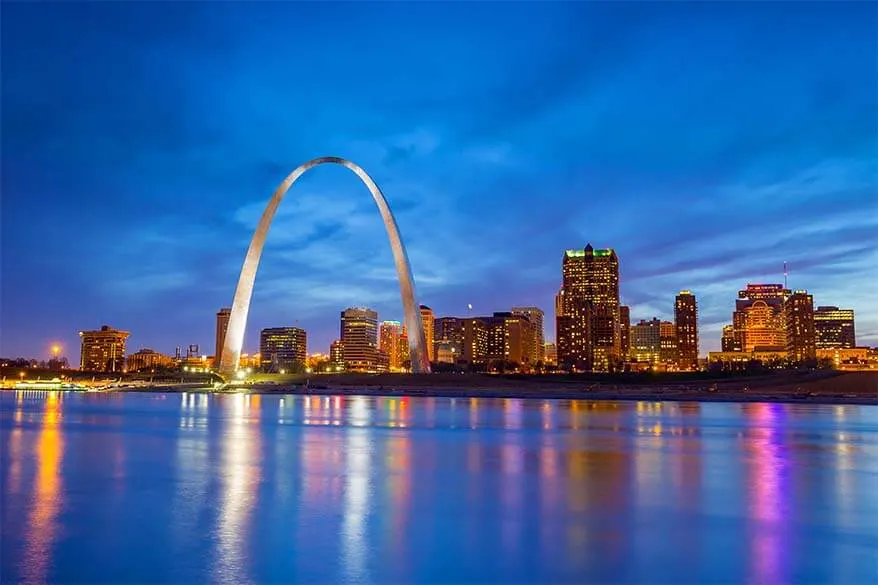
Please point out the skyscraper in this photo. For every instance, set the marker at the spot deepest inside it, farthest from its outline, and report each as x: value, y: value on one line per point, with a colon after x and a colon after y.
x: 559, y: 309
x: 427, y: 319
x: 359, y: 338
x: 834, y: 328
x: 450, y: 331
x: 730, y: 341
x: 535, y: 316
x: 589, y: 330
x: 103, y: 350
x: 758, y: 318
x: 511, y: 339
x: 686, y: 322
x: 283, y: 348
x: 646, y: 341
x: 222, y: 325
x: 390, y: 342
x: 798, y: 313
x: 624, y: 330
x: 336, y: 355
x: 668, y: 343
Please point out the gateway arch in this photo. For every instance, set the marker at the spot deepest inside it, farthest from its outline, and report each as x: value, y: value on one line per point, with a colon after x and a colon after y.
x: 231, y: 352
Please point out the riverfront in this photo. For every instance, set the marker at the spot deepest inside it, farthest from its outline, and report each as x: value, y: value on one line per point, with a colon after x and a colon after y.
x: 147, y: 487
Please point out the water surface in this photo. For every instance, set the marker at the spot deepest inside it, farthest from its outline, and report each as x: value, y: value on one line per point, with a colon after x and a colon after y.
x: 186, y: 488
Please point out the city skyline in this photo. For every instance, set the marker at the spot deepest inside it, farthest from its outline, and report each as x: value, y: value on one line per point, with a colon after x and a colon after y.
x: 126, y: 202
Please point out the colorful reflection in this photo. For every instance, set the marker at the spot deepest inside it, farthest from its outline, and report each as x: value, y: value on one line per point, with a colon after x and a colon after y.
x: 769, y: 492
x: 42, y: 523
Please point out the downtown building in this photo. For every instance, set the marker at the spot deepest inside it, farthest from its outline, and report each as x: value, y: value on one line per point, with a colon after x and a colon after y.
x: 536, y: 317
x: 834, y: 328
x: 393, y: 342
x: 283, y: 349
x: 588, y: 323
x: 148, y: 359
x: 359, y: 339
x: 449, y: 339
x: 222, y: 325
x: 103, y: 350
x: 686, y: 330
x: 427, y: 318
x: 801, y: 340
x: 770, y: 324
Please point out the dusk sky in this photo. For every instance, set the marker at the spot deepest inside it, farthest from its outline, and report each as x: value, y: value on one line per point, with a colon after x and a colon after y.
x: 706, y: 143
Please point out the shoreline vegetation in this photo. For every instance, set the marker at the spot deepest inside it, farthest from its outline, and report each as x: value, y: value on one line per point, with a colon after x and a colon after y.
x: 815, y: 387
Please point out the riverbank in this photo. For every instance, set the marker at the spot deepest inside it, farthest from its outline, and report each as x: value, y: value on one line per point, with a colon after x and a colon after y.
x: 827, y: 387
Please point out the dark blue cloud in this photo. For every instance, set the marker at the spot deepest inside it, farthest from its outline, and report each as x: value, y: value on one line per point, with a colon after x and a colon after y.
x: 707, y: 142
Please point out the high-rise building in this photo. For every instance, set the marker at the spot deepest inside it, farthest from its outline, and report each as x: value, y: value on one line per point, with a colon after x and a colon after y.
x: 336, y: 355
x: 359, y: 336
x: 589, y: 335
x: 512, y: 339
x: 798, y: 313
x: 222, y: 325
x: 559, y: 308
x: 758, y: 318
x: 427, y: 320
x: 730, y: 341
x: 668, y: 354
x: 103, y: 350
x: 535, y: 316
x: 624, y: 330
x: 283, y: 348
x: 834, y: 328
x: 450, y: 331
x: 475, y: 341
x: 646, y: 341
x: 686, y: 322
x: 390, y: 342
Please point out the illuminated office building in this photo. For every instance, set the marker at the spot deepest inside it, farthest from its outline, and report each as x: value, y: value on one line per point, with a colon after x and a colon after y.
x: 450, y: 331
x: 730, y: 341
x: 589, y: 335
x: 336, y: 355
x: 535, y: 316
x: 646, y: 341
x: 390, y: 342
x: 834, y: 328
x: 799, y: 323
x: 222, y: 325
x: 359, y: 338
x: 668, y: 354
x: 758, y: 320
x: 624, y: 330
x: 283, y: 349
x: 511, y: 339
x: 686, y: 323
x: 428, y: 320
x: 475, y: 341
x: 103, y: 350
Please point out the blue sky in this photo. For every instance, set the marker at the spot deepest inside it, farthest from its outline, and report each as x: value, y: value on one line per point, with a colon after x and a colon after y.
x: 707, y: 143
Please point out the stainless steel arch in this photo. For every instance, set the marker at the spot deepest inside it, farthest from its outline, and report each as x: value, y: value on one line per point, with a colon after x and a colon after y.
x: 241, y: 305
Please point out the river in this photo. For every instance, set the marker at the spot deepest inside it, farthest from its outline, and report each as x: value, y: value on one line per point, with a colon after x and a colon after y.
x: 188, y: 488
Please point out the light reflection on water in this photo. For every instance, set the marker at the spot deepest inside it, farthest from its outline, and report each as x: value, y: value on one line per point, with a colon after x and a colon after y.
x: 248, y: 488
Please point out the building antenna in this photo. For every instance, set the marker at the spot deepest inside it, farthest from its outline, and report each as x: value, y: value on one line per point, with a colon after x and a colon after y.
x: 786, y: 273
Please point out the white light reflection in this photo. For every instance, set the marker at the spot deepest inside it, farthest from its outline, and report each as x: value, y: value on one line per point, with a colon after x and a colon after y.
x: 360, y: 413
x: 241, y: 473
x: 356, y: 505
